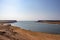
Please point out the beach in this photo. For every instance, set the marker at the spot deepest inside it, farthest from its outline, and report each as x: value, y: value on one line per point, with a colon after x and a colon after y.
x: 9, y: 32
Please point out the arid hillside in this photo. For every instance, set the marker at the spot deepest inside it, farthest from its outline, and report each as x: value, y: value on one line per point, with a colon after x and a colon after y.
x: 8, y: 32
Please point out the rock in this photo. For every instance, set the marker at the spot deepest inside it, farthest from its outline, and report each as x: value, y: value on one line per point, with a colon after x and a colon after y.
x: 7, y: 24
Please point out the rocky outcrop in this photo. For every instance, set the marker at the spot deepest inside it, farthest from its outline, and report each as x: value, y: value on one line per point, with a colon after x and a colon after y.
x: 9, y: 33
x: 7, y: 21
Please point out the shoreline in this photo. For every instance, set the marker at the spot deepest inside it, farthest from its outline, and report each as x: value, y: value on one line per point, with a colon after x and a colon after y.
x: 14, y: 33
x: 51, y: 22
x: 39, y: 35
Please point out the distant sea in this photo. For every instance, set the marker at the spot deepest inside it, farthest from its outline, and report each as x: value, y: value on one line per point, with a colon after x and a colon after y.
x: 38, y: 27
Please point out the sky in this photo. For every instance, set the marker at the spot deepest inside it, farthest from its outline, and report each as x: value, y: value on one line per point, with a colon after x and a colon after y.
x: 29, y: 9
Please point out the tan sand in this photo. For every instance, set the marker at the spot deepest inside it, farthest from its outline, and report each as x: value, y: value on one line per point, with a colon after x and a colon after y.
x: 52, y: 22
x: 15, y: 33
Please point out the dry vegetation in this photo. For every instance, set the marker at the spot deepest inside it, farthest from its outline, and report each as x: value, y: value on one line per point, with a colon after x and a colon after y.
x: 15, y: 33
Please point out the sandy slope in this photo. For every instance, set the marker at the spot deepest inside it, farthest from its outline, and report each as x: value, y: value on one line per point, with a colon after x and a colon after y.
x: 15, y: 33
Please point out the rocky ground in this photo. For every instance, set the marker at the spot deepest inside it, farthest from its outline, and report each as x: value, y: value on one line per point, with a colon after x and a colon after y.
x: 8, y: 32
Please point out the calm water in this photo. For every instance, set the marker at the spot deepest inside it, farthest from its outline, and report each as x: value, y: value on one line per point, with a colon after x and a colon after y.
x: 39, y: 27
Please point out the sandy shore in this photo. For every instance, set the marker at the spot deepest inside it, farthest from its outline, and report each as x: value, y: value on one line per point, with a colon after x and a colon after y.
x: 51, y: 22
x: 15, y: 33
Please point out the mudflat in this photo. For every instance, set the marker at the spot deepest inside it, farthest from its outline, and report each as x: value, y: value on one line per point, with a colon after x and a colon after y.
x: 8, y: 32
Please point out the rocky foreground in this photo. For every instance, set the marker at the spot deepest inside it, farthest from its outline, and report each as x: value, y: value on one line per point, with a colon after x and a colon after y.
x: 8, y: 32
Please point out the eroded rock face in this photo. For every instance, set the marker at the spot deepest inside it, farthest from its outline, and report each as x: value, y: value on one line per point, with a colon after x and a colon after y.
x: 8, y: 33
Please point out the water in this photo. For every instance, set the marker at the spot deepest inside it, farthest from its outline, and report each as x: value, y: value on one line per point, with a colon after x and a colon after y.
x: 38, y: 27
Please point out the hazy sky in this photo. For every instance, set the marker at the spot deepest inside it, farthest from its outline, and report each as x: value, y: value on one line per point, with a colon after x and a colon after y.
x: 30, y: 9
